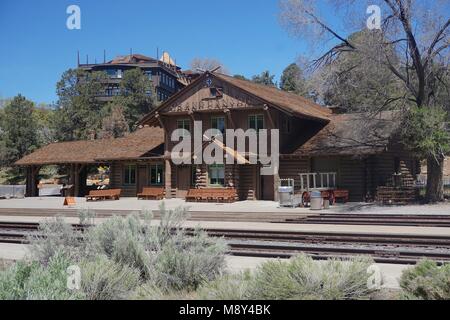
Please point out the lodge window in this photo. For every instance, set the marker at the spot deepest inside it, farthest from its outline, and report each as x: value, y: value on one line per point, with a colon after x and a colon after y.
x: 130, y: 174
x: 156, y: 174
x: 218, y: 123
x: 216, y: 175
x: 193, y: 176
x: 184, y: 124
x: 215, y: 92
x: 256, y: 121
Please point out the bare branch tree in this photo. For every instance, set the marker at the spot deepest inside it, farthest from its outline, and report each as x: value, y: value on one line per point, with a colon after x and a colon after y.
x: 415, y: 42
x: 207, y: 64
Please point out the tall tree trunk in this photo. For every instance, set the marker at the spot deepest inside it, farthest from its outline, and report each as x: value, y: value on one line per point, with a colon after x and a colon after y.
x: 435, y: 185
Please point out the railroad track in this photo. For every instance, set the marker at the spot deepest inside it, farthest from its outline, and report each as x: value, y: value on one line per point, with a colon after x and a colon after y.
x: 374, y: 219
x: 383, y: 248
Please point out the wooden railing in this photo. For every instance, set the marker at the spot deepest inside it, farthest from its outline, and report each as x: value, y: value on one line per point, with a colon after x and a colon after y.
x: 317, y: 180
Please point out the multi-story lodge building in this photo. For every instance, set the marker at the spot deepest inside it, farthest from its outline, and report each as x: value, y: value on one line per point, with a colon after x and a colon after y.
x: 167, y: 78
x: 362, y: 151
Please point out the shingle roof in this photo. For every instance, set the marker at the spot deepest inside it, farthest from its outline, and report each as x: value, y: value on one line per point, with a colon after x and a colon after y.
x: 133, y: 58
x: 352, y: 134
x: 132, y: 146
x: 289, y: 102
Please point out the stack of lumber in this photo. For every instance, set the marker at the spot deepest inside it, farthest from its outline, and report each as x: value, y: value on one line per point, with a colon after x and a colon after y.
x: 391, y: 195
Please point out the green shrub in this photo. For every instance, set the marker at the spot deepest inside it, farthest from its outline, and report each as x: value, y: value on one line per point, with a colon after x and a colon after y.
x: 103, y: 279
x: 343, y: 280
x: 304, y: 278
x: 151, y: 291
x: 426, y: 281
x: 185, y: 262
x: 13, y: 279
x: 122, y: 240
x: 163, y: 253
x: 86, y: 217
x: 272, y: 280
x: 227, y: 287
x: 33, y: 281
x: 56, y: 236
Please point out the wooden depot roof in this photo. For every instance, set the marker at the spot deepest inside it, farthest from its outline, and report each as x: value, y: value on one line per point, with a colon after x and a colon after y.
x: 352, y: 134
x: 132, y: 146
x: 289, y: 102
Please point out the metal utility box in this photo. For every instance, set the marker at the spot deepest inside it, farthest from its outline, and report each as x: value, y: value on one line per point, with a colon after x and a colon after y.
x: 286, y: 192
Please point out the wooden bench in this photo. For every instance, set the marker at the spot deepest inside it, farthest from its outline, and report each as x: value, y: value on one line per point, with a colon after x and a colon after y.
x: 154, y: 193
x: 340, y: 194
x: 212, y: 195
x: 110, y: 194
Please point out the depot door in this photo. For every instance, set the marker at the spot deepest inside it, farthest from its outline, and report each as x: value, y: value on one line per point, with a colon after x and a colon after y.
x: 267, y: 187
x: 183, y: 181
x: 142, y: 178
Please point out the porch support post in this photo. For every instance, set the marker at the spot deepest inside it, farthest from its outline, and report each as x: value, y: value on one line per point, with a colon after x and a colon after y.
x: 168, y: 176
x: 28, y: 191
x: 276, y: 183
x: 72, y: 179
x: 167, y: 163
x: 76, y: 188
x: 32, y: 181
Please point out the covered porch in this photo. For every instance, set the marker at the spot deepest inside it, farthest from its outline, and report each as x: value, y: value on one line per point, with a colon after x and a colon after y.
x: 78, y: 157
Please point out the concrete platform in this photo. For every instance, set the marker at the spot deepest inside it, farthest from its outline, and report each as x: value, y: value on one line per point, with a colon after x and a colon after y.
x: 132, y: 204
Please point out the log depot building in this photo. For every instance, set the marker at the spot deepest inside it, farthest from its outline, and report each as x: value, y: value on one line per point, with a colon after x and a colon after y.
x: 362, y: 151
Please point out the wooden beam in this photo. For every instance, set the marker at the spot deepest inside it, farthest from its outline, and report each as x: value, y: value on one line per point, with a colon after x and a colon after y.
x: 269, y: 116
x: 276, y: 184
x: 32, y: 181
x: 168, y: 177
x: 76, y: 172
x: 230, y: 118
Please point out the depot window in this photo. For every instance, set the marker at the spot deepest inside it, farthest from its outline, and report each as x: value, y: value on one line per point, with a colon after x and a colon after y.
x: 130, y: 174
x: 216, y: 175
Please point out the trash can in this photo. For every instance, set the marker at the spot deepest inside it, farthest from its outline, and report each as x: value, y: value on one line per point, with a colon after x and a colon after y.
x: 326, y: 203
x: 286, y: 196
x: 316, y: 200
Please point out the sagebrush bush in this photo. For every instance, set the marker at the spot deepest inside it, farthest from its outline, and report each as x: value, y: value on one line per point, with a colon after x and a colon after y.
x: 300, y: 278
x: 104, y: 279
x: 426, y: 281
x: 343, y: 280
x: 55, y: 236
x: 13, y: 279
x: 86, y: 216
x: 227, y: 287
x: 163, y: 252
x: 32, y: 281
x: 151, y: 291
x: 122, y: 240
x: 185, y: 262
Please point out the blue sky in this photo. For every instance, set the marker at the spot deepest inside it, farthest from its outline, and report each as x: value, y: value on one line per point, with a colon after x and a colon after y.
x: 37, y: 47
